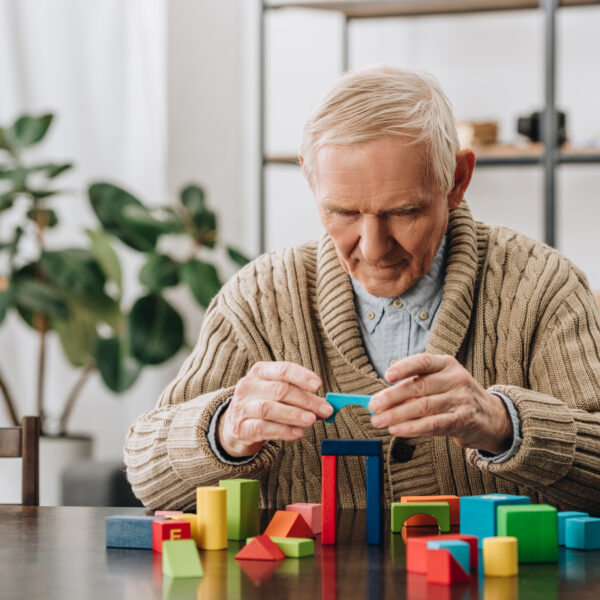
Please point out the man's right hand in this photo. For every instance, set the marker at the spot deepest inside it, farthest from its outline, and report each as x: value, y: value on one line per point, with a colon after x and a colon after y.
x: 274, y: 401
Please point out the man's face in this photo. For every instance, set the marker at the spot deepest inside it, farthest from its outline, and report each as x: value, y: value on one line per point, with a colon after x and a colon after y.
x: 385, y: 219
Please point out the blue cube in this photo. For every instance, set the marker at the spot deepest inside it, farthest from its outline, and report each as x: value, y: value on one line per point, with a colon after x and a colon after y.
x: 460, y: 551
x: 583, y: 533
x: 562, y: 521
x: 130, y: 531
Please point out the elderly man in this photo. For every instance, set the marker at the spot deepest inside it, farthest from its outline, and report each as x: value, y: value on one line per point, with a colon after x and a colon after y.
x: 490, y: 340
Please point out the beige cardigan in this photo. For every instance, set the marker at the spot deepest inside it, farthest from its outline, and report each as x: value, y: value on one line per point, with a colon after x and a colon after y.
x: 515, y: 313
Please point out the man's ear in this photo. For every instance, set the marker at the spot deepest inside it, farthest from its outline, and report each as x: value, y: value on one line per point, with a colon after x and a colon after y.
x: 465, y: 163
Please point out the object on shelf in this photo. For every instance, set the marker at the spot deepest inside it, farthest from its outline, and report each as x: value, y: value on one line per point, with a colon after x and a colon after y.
x: 531, y: 127
x: 477, y: 133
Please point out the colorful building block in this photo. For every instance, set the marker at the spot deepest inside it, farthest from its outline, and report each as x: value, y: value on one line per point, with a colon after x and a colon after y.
x: 478, y: 513
x: 583, y: 533
x: 443, y: 568
x: 260, y: 548
x: 211, y: 506
x: 459, y: 549
x: 328, y: 498
x: 401, y: 511
x: 374, y: 489
x: 351, y: 447
x: 192, y: 519
x: 535, y: 527
x: 500, y: 556
x: 293, y: 547
x: 170, y: 529
x: 167, y: 513
x: 129, y: 531
x: 311, y: 513
x: 338, y: 401
x: 286, y: 523
x: 180, y: 559
x: 562, y: 519
x: 426, y: 520
x: 243, y: 507
x: 416, y: 550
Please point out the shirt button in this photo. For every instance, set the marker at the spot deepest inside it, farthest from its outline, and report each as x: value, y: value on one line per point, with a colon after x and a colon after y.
x: 394, y: 360
x: 397, y: 303
x: 423, y: 315
x: 371, y: 315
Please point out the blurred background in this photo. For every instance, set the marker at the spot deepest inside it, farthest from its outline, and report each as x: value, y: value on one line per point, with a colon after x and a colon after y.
x: 159, y: 106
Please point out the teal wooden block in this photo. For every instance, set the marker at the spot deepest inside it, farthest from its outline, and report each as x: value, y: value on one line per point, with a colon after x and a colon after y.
x: 535, y: 527
x: 293, y: 547
x: 340, y: 400
x: 401, y: 511
x: 180, y: 559
x: 243, y: 504
x: 582, y: 533
x: 562, y: 520
x: 459, y: 549
x: 130, y: 531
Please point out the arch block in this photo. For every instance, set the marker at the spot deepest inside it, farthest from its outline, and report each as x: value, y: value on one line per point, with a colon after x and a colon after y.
x: 401, y: 511
x: 340, y: 400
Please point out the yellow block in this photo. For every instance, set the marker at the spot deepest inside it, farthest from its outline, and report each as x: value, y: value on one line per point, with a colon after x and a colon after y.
x: 193, y: 519
x: 211, y: 506
x: 500, y: 556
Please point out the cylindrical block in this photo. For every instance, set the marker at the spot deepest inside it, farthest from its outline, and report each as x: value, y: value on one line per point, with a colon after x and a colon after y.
x: 500, y: 556
x: 211, y: 506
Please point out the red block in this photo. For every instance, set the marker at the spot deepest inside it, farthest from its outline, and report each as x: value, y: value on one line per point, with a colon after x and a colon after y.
x: 169, y: 530
x: 426, y: 520
x: 260, y: 548
x: 328, y: 498
x: 443, y: 568
x: 416, y: 550
x: 286, y: 523
x: 310, y: 512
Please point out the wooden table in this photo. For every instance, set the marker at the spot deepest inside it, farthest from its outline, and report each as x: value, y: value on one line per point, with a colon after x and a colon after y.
x: 59, y: 553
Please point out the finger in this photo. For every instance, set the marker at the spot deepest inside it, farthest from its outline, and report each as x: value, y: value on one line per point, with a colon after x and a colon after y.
x: 269, y: 410
x: 417, y: 364
x: 412, y: 409
x: 256, y: 430
x: 441, y: 424
x: 289, y: 372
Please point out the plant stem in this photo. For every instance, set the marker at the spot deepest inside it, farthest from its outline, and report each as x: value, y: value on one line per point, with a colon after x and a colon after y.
x: 72, y: 397
x: 42, y: 327
x: 10, y: 405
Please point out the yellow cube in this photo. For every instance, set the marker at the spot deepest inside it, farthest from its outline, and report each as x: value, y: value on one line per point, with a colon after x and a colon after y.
x: 500, y: 556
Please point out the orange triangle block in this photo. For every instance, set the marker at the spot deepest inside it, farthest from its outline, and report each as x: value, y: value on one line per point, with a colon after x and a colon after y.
x: 260, y: 548
x: 287, y: 523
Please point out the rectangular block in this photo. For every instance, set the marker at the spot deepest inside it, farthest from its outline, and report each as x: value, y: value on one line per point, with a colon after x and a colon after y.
x: 351, y: 447
x: 169, y: 530
x: 402, y: 511
x: 328, y: 498
x: 478, y: 513
x: 583, y: 533
x: 243, y: 508
x: 535, y: 527
x: 416, y: 550
x: 338, y: 401
x: 374, y: 489
x: 293, y: 547
x: 444, y: 569
x: 424, y: 520
x: 129, y: 531
x: 211, y: 506
x: 181, y: 559
x: 310, y: 511
x: 167, y: 513
x: 562, y: 519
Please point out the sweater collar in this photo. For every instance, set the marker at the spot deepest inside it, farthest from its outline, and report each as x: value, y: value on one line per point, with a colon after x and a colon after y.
x: 338, y: 312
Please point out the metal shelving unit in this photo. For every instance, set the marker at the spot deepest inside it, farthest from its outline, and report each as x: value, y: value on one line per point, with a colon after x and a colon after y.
x: 547, y: 154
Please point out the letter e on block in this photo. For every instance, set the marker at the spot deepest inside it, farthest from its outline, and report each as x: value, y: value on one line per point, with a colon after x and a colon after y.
x: 169, y: 530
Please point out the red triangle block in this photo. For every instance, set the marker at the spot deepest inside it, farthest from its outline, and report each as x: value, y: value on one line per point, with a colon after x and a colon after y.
x: 259, y: 570
x: 287, y: 523
x: 443, y: 568
x: 260, y: 548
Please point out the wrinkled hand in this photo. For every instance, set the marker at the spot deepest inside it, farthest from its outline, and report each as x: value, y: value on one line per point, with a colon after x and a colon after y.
x: 436, y: 395
x: 274, y: 401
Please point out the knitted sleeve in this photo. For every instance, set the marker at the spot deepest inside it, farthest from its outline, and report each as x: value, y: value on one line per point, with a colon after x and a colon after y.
x: 559, y: 459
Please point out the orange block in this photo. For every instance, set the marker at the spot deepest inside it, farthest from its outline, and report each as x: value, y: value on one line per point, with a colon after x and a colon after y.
x: 424, y: 520
x: 260, y: 548
x: 287, y: 523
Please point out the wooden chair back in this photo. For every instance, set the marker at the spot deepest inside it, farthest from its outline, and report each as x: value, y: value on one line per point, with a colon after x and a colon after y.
x: 24, y: 442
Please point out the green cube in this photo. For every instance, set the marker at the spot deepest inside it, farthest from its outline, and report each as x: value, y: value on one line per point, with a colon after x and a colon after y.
x: 534, y: 526
x: 243, y: 504
x: 293, y: 547
x: 401, y: 511
x: 180, y: 559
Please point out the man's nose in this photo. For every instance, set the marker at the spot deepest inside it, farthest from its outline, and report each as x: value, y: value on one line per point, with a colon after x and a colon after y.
x: 375, y: 239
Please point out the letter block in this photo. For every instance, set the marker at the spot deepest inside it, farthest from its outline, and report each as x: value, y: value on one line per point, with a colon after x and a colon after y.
x: 286, y: 523
x: 416, y: 550
x: 583, y: 533
x: 443, y: 568
x: 130, y: 531
x: 478, y: 513
x: 311, y: 513
x: 211, y: 506
x: 562, y: 521
x: 535, y: 527
x: 243, y: 508
x: 169, y: 530
x: 425, y: 520
x: 340, y: 400
x: 500, y: 556
x: 460, y: 551
x: 180, y: 559
x: 192, y: 519
x: 401, y: 511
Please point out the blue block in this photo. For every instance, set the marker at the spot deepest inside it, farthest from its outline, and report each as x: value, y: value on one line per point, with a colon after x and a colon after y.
x: 340, y: 400
x: 351, y: 447
x: 459, y: 549
x: 374, y: 487
x: 582, y: 533
x: 130, y: 531
x: 562, y: 519
x: 478, y: 513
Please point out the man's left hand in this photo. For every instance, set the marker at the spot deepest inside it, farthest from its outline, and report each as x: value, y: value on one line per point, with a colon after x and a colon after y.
x: 436, y: 395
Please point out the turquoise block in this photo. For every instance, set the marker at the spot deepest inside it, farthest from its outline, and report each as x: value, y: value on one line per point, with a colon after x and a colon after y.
x: 459, y: 549
x: 582, y: 533
x: 340, y: 400
x: 562, y: 520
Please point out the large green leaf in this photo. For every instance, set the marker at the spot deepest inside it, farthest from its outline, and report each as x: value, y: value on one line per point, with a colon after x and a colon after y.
x: 32, y: 296
x: 28, y: 130
x: 237, y: 257
x: 143, y: 219
x: 106, y: 256
x: 5, y: 301
x: 160, y: 272
x: 117, y: 367
x: 192, y: 197
x: 155, y: 329
x: 202, y: 279
x: 74, y: 270
x: 77, y: 335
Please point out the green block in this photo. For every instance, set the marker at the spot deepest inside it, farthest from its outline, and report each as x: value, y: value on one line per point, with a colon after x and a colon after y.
x: 293, y: 547
x: 243, y: 502
x: 180, y: 559
x: 401, y: 511
x: 534, y: 526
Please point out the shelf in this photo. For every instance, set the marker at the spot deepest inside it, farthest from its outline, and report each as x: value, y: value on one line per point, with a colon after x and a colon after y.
x: 359, y: 9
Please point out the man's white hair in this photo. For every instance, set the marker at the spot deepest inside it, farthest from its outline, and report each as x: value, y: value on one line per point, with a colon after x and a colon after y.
x: 386, y: 101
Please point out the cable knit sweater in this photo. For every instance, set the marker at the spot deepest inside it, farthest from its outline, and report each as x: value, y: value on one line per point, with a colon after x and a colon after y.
x: 516, y: 313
